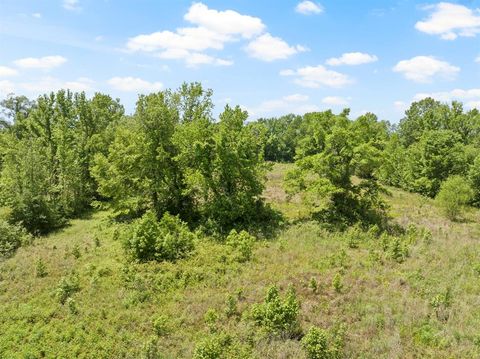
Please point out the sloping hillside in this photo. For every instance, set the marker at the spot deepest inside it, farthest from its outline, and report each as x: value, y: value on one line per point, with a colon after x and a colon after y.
x: 73, y: 293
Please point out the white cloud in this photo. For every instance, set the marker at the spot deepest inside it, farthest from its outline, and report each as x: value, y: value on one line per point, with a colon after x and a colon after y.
x: 187, y: 38
x: 352, y: 58
x: 295, y: 103
x: 425, y: 68
x: 72, y: 5
x: 215, y: 28
x: 335, y: 101
x: 193, y: 59
x: 48, y: 83
x: 134, y: 84
x: 477, y: 59
x: 296, y: 98
x: 6, y: 87
x: 308, y: 8
x: 37, y: 15
x: 7, y: 71
x: 44, y: 63
x: 226, y: 22
x: 449, y: 21
x: 473, y: 104
x: 471, y: 97
x: 400, y: 106
x: 269, y: 48
x: 317, y: 76
x: 211, y: 31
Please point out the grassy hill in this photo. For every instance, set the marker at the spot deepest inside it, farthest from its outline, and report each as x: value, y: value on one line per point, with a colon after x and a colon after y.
x: 421, y: 304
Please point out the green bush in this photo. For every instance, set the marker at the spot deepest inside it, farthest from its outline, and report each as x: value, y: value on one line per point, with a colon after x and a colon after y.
x: 161, y: 325
x: 212, y: 347
x: 319, y: 344
x: 455, y: 193
x: 278, y: 316
x: 11, y: 238
x: 166, y: 240
x: 242, y: 245
x: 337, y: 282
x: 67, y: 287
x: 40, y: 268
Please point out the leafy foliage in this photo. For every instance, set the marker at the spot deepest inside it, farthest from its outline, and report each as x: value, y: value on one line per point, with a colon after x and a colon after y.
x: 455, y: 193
x: 278, y: 316
x: 47, y: 154
x: 325, y: 178
x: 11, y: 238
x: 166, y: 240
x: 171, y: 156
x: 319, y: 344
x: 67, y: 287
x: 241, y: 244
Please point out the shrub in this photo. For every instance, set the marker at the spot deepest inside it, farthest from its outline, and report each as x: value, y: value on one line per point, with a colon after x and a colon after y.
x: 231, y: 306
x: 278, y: 316
x: 72, y: 305
x: 337, y: 282
x: 160, y: 325
x: 212, y: 347
x: 76, y: 251
x: 454, y: 194
x: 313, y: 285
x: 150, y: 349
x: 242, y: 245
x: 398, y: 250
x: 40, y: 269
x: 319, y: 344
x: 67, y: 286
x: 11, y: 238
x: 211, y: 318
x: 166, y: 240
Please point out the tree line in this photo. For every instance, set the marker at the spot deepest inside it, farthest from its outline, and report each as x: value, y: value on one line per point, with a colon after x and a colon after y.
x: 65, y: 153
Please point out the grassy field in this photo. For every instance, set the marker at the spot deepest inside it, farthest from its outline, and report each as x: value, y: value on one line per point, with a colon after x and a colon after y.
x: 426, y: 305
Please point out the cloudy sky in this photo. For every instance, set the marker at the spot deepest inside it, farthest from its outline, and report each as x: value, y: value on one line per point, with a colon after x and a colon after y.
x: 270, y: 57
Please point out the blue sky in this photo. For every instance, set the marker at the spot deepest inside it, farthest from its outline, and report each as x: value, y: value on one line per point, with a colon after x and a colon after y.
x: 270, y: 57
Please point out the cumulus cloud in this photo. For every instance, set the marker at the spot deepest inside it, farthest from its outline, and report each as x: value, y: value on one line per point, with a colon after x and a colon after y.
x: 71, y: 5
x: 227, y: 22
x: 400, y: 106
x: 308, y: 8
x: 6, y: 87
x: 213, y: 29
x: 317, y: 76
x: 187, y: 39
x: 43, y: 63
x: 193, y: 59
x: 134, y: 84
x: 48, y: 83
x: 470, y: 97
x: 352, y: 58
x: 269, y: 48
x: 295, y: 103
x: 449, y: 21
x: 7, y: 71
x: 335, y: 101
x: 425, y: 68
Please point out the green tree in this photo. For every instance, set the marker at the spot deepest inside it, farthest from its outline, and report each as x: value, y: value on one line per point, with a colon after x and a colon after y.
x: 437, y: 155
x: 46, y: 165
x: 455, y: 193
x: 325, y: 180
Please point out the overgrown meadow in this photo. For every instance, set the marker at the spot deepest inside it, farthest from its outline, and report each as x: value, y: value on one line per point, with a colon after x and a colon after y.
x: 173, y: 234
